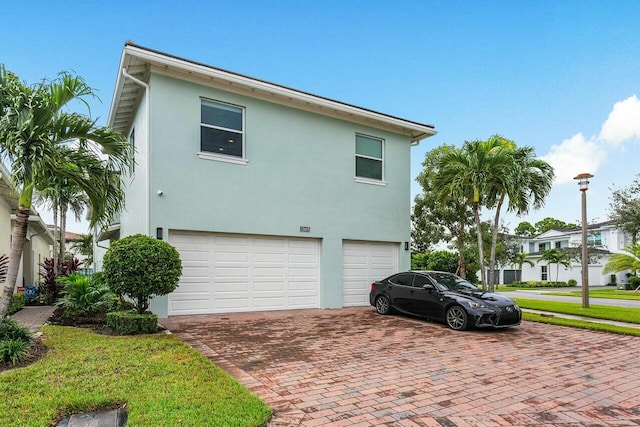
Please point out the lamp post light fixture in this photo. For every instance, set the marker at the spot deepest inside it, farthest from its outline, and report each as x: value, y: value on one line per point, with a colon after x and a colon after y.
x: 583, y: 183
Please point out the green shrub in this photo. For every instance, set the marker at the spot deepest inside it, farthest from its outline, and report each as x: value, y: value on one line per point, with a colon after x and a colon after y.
x: 634, y: 282
x: 15, y: 341
x: 11, y: 330
x: 572, y: 282
x: 129, y: 323
x: 536, y: 284
x: 141, y: 267
x: 17, y: 302
x: 13, y: 351
x: 84, y: 296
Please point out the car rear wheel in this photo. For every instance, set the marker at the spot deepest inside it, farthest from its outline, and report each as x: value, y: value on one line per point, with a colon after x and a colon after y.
x: 383, y: 306
x: 457, y: 318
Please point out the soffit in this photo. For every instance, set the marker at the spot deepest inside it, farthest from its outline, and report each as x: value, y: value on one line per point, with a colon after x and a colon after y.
x: 140, y: 62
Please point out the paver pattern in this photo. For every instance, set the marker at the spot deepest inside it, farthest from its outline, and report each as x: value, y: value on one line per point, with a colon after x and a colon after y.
x: 353, y: 367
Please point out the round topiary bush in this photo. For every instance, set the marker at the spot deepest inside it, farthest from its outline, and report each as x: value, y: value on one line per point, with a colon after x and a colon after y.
x: 141, y: 267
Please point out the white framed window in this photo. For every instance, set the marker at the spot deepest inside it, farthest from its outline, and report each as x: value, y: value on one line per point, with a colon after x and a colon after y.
x: 544, y: 273
x: 369, y: 159
x: 222, y: 131
x: 594, y: 239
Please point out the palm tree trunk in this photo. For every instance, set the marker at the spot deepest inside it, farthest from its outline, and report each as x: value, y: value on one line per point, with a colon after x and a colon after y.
x: 494, y: 242
x: 483, y: 275
x: 63, y: 232
x: 18, y: 238
x: 56, y: 231
x: 462, y: 268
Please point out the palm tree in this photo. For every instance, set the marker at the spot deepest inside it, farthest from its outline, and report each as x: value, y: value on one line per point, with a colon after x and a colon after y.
x: 555, y: 256
x: 629, y: 259
x: 84, y: 247
x: 519, y: 260
x: 40, y: 139
x: 526, y: 184
x: 469, y: 173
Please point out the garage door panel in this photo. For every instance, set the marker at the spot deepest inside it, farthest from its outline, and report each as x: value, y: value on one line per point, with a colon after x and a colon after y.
x: 243, y: 273
x: 364, y: 263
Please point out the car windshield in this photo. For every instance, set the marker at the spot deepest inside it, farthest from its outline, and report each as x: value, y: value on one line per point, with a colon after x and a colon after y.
x: 453, y: 282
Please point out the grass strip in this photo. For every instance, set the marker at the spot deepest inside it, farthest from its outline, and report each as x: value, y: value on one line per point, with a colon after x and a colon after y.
x: 602, y: 293
x: 620, y: 314
x: 163, y: 381
x: 535, y: 317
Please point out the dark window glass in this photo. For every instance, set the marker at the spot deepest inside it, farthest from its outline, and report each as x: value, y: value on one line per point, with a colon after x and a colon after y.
x: 420, y: 281
x: 222, y: 115
x: 368, y: 168
x: 405, y: 279
x: 220, y: 142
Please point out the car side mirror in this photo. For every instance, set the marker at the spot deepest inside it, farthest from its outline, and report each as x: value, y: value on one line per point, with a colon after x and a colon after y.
x: 428, y: 287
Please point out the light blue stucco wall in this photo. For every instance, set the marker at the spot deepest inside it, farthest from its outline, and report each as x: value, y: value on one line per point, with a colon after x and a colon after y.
x: 300, y: 172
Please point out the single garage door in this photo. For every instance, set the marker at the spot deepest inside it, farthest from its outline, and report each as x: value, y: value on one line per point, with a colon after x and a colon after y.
x: 224, y: 273
x: 362, y: 264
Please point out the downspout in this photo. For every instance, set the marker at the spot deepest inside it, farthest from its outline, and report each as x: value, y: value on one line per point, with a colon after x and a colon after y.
x: 148, y: 131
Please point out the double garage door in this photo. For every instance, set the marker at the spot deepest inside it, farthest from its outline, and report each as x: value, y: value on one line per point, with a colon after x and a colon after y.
x: 224, y: 273
x: 230, y: 273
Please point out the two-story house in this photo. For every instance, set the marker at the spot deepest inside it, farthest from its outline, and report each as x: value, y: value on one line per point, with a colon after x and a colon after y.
x: 275, y: 198
x: 602, y: 239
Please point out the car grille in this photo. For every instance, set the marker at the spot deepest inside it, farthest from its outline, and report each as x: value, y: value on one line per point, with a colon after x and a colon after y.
x: 509, y: 315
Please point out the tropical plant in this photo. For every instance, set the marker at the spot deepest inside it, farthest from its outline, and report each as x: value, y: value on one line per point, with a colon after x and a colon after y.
x: 84, y: 247
x: 141, y: 267
x: 557, y: 257
x: 519, y: 259
x: 49, y: 275
x: 40, y: 140
x: 469, y: 174
x: 628, y: 259
x: 15, y: 341
x: 11, y: 330
x: 525, y: 183
x: 434, y: 220
x: 84, y: 296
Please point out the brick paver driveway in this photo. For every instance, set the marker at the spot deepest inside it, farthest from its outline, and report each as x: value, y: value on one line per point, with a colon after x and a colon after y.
x: 352, y: 367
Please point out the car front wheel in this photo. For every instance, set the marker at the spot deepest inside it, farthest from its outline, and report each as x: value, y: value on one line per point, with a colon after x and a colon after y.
x: 383, y: 306
x: 457, y: 318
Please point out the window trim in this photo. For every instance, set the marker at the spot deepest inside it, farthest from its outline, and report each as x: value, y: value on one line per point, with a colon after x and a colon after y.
x: 365, y: 180
x: 544, y: 273
x: 227, y: 158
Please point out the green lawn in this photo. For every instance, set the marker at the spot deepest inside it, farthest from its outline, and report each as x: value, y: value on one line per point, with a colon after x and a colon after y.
x: 535, y: 317
x: 602, y: 293
x: 162, y: 380
x: 621, y: 314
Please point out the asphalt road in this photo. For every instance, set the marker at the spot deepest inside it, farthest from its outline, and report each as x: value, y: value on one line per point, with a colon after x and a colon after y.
x: 543, y: 295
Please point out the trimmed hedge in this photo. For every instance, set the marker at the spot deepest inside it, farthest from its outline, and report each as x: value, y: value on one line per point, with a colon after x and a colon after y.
x: 129, y: 323
x: 536, y: 284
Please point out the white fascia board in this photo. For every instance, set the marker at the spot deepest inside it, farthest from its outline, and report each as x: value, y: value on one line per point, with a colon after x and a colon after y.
x: 115, y: 99
x: 421, y: 131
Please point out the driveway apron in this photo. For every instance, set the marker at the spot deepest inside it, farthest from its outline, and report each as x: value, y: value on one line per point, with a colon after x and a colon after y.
x: 353, y: 367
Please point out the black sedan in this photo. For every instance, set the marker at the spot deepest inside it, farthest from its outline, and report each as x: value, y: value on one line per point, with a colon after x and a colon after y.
x: 443, y: 297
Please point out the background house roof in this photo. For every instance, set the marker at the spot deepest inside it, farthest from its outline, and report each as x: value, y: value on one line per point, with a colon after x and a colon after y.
x: 139, y: 61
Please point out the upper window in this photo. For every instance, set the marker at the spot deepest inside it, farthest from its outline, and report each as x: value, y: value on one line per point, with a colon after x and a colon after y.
x: 369, y: 157
x: 594, y: 239
x: 558, y: 245
x: 221, y: 129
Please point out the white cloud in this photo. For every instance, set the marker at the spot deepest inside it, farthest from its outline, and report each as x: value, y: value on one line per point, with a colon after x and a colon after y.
x: 623, y: 122
x: 574, y: 156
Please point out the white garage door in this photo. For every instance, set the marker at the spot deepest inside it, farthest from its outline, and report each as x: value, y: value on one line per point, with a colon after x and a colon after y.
x: 364, y: 263
x: 224, y: 273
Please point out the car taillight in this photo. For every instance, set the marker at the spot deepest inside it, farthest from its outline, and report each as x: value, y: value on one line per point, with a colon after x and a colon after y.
x: 373, y: 287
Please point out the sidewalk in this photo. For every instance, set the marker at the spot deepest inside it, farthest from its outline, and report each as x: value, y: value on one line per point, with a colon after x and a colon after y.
x: 33, y: 317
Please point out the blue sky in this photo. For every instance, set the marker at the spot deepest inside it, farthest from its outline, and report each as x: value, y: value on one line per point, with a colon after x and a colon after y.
x: 560, y: 76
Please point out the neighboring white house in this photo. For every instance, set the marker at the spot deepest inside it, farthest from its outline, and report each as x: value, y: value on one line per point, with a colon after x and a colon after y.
x: 275, y: 198
x: 39, y: 240
x: 603, y: 239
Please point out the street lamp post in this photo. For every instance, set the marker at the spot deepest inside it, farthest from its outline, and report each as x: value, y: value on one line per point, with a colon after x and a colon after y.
x: 583, y: 183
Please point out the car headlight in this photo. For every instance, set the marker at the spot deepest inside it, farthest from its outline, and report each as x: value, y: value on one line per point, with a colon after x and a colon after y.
x: 475, y: 304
